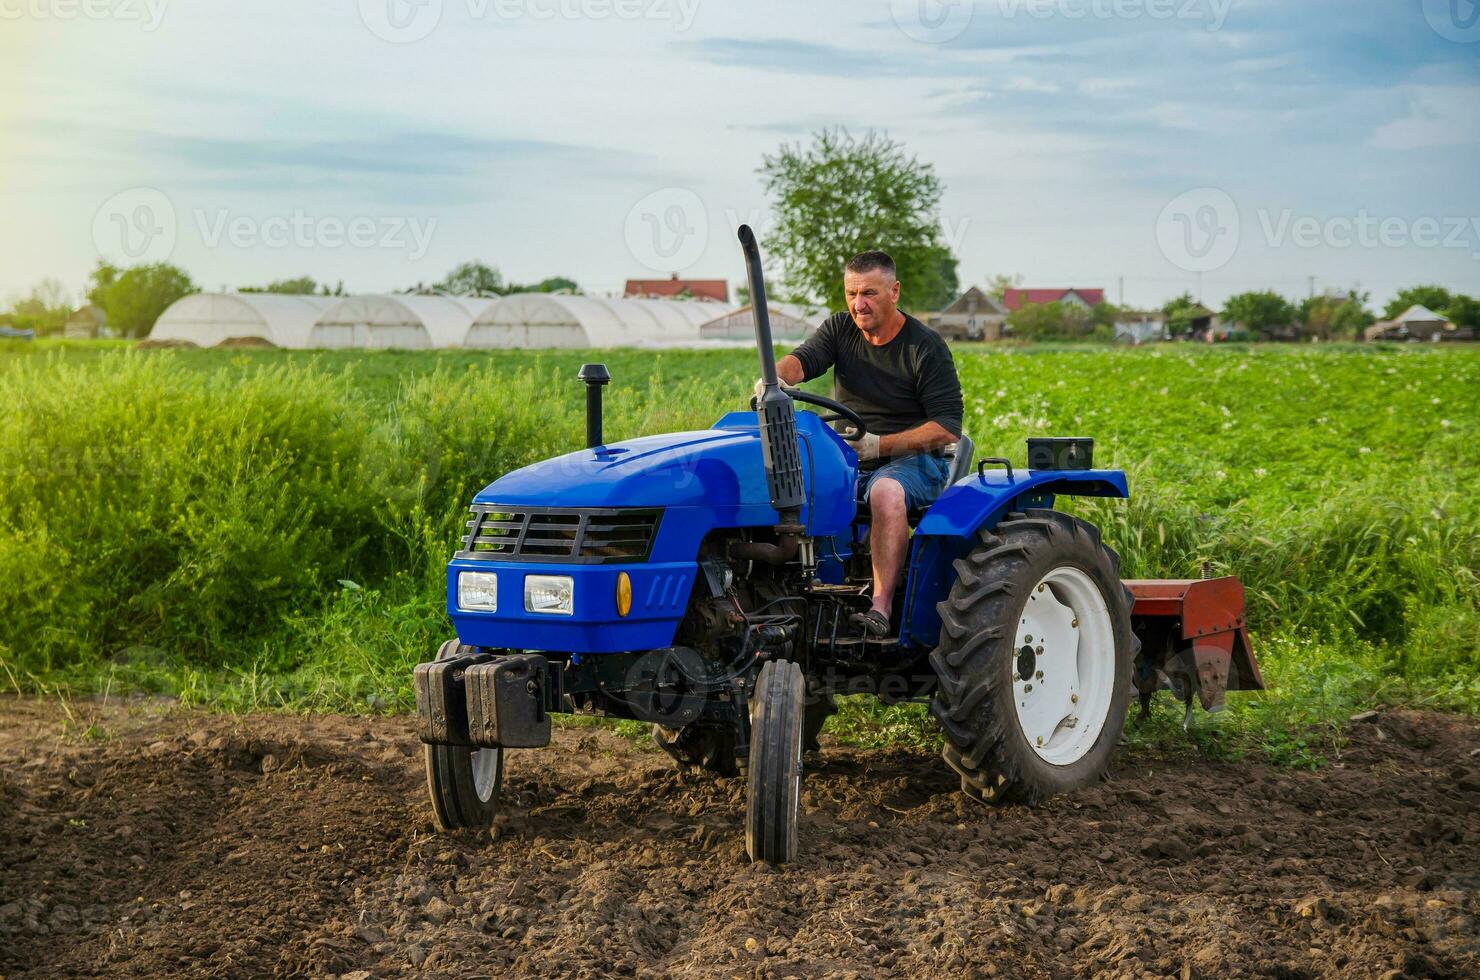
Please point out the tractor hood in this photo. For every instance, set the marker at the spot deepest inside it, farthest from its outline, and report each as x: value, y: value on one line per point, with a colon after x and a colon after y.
x: 719, y: 469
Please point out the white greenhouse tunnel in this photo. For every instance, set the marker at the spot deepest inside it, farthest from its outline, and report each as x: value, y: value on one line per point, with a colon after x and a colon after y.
x: 531, y: 320
x: 401, y: 322
x: 418, y: 322
x: 788, y: 322
x: 207, y: 319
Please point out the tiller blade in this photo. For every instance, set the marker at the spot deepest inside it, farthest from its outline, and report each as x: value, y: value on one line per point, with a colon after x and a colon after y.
x: 1193, y: 641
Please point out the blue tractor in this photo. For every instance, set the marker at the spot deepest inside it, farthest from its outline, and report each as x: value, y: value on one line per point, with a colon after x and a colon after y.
x: 703, y: 581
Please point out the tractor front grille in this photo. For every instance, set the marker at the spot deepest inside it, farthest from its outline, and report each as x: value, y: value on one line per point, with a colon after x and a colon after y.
x: 585, y: 536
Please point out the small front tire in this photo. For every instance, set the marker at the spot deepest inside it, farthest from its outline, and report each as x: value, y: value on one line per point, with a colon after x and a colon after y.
x: 774, y: 775
x: 464, y: 783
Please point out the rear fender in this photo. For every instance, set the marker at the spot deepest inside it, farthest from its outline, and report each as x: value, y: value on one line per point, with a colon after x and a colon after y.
x: 949, y: 530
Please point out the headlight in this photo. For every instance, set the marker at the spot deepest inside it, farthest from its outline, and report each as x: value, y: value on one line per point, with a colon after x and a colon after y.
x: 553, y: 594
x: 477, y: 591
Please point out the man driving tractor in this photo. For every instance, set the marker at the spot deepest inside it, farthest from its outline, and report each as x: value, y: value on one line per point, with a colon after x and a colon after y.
x: 899, y: 376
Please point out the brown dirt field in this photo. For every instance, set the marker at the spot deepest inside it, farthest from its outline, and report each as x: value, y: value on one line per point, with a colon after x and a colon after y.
x: 188, y: 844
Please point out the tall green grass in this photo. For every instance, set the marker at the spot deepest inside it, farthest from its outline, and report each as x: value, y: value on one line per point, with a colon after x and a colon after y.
x: 269, y: 528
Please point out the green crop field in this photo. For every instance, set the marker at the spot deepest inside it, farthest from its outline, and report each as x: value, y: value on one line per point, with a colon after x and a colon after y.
x: 256, y: 529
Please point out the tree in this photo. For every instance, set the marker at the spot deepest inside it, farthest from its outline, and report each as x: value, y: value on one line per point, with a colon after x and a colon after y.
x: 472, y: 279
x: 1062, y: 321
x: 550, y: 284
x: 998, y: 285
x: 1334, y: 317
x: 134, y: 298
x: 839, y: 196
x: 301, y: 286
x: 1463, y: 311
x: 1260, y: 312
x: 44, y: 310
x: 1435, y: 298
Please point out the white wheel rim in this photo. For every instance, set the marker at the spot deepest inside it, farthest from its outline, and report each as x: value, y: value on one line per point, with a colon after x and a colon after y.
x: 485, y: 772
x: 1066, y: 648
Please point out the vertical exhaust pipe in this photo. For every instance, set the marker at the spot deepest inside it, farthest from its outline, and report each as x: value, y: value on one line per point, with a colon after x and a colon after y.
x: 776, y: 418
x: 595, y: 377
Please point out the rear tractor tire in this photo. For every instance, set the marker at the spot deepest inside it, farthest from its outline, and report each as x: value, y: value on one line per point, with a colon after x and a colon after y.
x: 774, y: 775
x: 464, y: 783
x: 1034, y: 660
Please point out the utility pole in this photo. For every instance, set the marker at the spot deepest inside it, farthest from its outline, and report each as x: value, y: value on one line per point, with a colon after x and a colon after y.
x: 1122, y: 291
x: 1312, y: 281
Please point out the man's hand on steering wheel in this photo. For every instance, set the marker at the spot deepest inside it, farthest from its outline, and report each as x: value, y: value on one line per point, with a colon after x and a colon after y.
x: 865, y: 443
x: 760, y: 388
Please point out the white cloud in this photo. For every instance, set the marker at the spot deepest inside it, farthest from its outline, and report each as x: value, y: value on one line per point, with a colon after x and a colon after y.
x: 1438, y: 115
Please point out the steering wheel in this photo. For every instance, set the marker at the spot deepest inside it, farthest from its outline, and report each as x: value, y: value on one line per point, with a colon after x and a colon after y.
x: 840, y: 412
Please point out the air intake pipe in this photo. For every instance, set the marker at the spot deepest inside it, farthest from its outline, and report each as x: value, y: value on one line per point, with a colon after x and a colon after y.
x: 594, y: 377
x: 776, y: 418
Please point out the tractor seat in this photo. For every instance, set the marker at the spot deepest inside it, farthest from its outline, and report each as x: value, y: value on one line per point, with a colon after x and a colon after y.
x: 960, y: 455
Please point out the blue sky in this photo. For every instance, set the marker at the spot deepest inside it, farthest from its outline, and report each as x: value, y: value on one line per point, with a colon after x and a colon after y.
x: 1081, y: 142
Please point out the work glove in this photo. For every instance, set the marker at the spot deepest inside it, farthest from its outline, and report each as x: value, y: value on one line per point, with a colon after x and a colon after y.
x: 760, y: 388
x: 867, y: 447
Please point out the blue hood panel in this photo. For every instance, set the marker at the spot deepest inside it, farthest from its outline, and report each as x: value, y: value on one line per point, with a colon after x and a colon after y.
x: 672, y: 470
x: 718, y: 469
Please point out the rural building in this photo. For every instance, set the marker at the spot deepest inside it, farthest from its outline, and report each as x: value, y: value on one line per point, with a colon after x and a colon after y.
x: 1418, y: 322
x: 531, y: 320
x: 1197, y: 322
x: 1014, y: 299
x: 1140, y: 326
x: 394, y: 321
x: 208, y: 319
x: 788, y: 322
x: 87, y: 323
x: 973, y: 315
x: 717, y: 290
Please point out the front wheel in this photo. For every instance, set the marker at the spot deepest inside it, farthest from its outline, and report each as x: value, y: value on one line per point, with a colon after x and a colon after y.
x: 1034, y: 661
x: 774, y: 774
x: 464, y: 783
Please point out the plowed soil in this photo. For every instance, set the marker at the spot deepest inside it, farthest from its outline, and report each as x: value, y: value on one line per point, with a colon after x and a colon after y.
x: 164, y: 842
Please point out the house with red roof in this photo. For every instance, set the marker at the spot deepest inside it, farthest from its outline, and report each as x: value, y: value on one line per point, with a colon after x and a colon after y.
x: 715, y: 289
x: 1014, y: 299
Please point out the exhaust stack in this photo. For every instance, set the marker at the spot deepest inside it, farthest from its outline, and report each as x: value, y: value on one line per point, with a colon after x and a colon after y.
x: 775, y: 412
